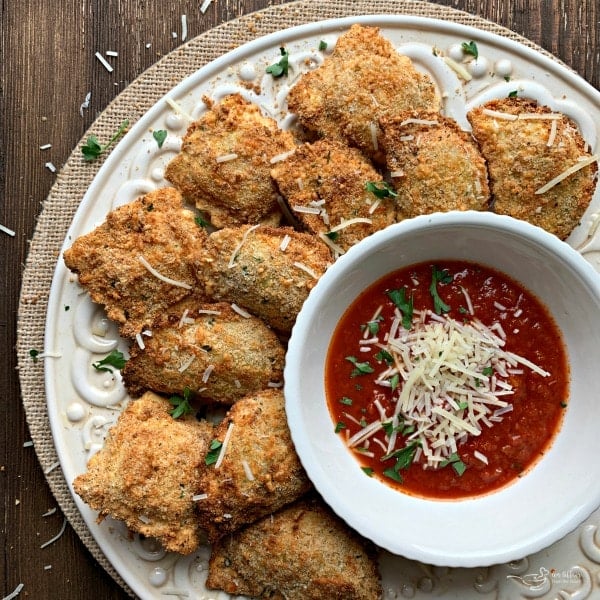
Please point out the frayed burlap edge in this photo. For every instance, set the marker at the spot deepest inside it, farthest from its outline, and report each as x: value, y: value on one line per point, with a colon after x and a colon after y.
x: 75, y: 177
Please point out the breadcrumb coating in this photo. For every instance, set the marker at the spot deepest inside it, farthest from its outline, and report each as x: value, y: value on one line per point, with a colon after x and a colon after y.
x: 148, y: 472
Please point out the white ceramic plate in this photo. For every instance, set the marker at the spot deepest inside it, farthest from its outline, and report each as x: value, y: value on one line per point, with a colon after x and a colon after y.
x: 83, y: 404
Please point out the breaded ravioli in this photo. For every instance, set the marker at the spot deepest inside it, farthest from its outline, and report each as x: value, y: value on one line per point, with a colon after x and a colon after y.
x: 526, y: 146
x: 434, y: 164
x: 114, y: 261
x: 364, y: 79
x: 325, y: 184
x: 223, y: 167
x: 268, y: 271
x: 208, y: 348
x: 259, y: 471
x: 302, y: 552
x: 148, y: 472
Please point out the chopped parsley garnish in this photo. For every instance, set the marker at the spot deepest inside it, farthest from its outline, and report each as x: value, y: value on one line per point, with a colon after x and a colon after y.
x: 34, y: 354
x: 201, y: 222
x: 368, y: 471
x: 360, y: 368
x: 345, y: 400
x: 214, y: 449
x: 372, y: 326
x: 384, y: 355
x: 563, y: 405
x: 398, y: 297
x: 322, y: 46
x: 280, y: 68
x: 67, y: 307
x: 339, y: 426
x: 457, y: 464
x: 404, y: 458
x: 488, y: 371
x: 181, y: 404
x: 92, y: 149
x: 380, y: 189
x: 470, y: 48
x: 438, y: 276
x: 333, y: 235
x: 507, y: 78
x: 394, y: 381
x: 160, y: 135
x: 114, y: 359
x: 513, y: 94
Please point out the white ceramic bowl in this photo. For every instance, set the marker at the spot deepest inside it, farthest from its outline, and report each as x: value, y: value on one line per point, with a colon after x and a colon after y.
x: 556, y: 495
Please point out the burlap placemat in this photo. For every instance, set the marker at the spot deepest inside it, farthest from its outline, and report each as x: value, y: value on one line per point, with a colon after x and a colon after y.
x: 75, y: 177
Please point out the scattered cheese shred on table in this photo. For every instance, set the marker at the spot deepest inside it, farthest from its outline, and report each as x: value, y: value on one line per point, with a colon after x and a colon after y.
x: 7, y: 231
x: 205, y: 6
x: 15, y: 592
x: 57, y: 536
x: 104, y: 62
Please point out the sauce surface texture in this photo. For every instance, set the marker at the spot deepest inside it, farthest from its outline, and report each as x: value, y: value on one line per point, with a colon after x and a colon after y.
x: 446, y: 380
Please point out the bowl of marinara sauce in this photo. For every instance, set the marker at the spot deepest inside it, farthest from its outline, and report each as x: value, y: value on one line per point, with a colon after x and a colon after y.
x: 441, y: 387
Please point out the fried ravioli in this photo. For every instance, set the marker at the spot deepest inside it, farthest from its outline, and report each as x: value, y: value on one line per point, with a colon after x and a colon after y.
x: 148, y: 472
x: 324, y: 185
x: 260, y: 471
x: 223, y: 167
x: 302, y: 552
x: 363, y: 80
x: 210, y: 349
x: 434, y: 165
x: 526, y: 146
x: 112, y: 261
x: 268, y: 271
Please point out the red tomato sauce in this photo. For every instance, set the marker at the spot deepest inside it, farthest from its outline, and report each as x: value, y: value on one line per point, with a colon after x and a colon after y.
x: 511, y: 442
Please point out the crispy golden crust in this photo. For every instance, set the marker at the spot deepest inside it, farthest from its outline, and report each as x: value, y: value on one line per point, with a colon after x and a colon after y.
x: 148, y: 472
x: 230, y: 355
x: 520, y: 161
x: 363, y: 80
x: 302, y: 552
x: 331, y: 176
x: 235, y: 191
x: 435, y: 166
x: 260, y: 438
x: 269, y: 282
x: 155, y: 226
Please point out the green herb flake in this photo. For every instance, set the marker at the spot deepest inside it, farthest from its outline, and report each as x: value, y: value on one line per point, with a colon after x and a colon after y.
x: 563, y: 405
x: 368, y: 471
x: 339, y: 426
x: 160, y: 135
x: 488, y: 371
x: 346, y: 401
x: 398, y: 297
x: 439, y: 276
x: 457, y: 464
x: 462, y: 310
x: 507, y: 78
x: 380, y: 189
x: 214, y: 449
x: 181, y: 404
x: 513, y: 94
x: 360, y: 368
x: 333, y: 235
x: 384, y: 355
x: 67, y: 308
x: 92, y: 149
x: 279, y: 69
x: 394, y: 381
x: 201, y: 222
x: 322, y: 46
x: 114, y: 359
x: 404, y: 458
x: 393, y: 474
x: 34, y: 354
x: 470, y: 48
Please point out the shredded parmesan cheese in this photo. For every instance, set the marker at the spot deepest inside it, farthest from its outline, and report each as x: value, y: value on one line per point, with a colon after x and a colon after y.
x: 418, y: 122
x: 57, y: 536
x: 51, y: 467
x: 308, y: 210
x: 350, y: 222
x: 226, y: 157
x: 46, y: 147
x: 50, y: 166
x: 184, y: 30
x: 7, y: 231
x: 373, y: 130
x: 198, y: 497
x: 178, y: 109
x: 205, y: 6
x: 458, y: 69
x: 580, y: 164
x: 552, y: 135
x: 306, y: 269
x: 49, y: 512
x: 140, y: 341
x: 86, y: 103
x: 224, y: 445
x: 496, y: 114
x: 282, y: 156
x: 15, y: 592
x: 104, y: 62
x: 240, y: 311
x: 186, y: 365
x: 207, y: 373
x: 285, y: 242
x: 237, y: 249
x: 248, y: 471
x: 327, y: 240
x: 153, y: 271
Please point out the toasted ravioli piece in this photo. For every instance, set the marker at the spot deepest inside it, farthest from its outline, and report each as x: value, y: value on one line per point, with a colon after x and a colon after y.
x: 363, y: 80
x: 268, y: 271
x: 112, y: 261
x: 224, y: 163
x: 208, y: 348
x: 329, y: 179
x: 526, y: 146
x: 259, y: 472
x: 302, y: 552
x: 148, y: 472
x: 434, y: 164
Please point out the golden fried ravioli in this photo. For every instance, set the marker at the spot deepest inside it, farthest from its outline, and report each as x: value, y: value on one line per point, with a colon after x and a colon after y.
x: 259, y: 471
x: 148, y: 473
x: 119, y: 261
x: 434, y: 164
x: 302, y: 552
x: 224, y: 164
x: 208, y: 348
x: 526, y: 146
x: 326, y: 184
x: 363, y: 80
x: 268, y: 271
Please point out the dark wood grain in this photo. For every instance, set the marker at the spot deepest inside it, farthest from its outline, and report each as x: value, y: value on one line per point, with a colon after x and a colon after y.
x: 47, y: 66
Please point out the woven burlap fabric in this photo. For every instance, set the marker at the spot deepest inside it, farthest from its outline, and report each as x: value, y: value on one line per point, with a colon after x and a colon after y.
x: 75, y: 177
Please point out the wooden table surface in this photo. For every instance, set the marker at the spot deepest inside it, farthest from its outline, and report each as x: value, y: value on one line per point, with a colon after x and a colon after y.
x: 47, y: 67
